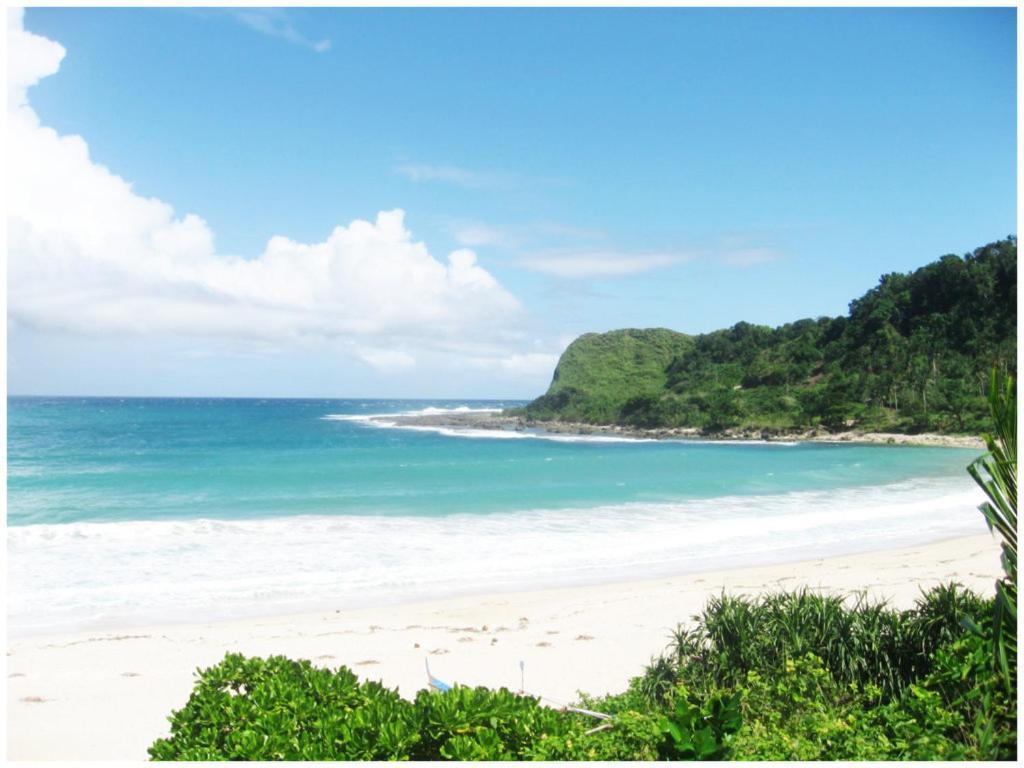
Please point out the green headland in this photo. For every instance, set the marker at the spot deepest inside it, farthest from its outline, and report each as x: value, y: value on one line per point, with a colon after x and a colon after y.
x: 911, y: 355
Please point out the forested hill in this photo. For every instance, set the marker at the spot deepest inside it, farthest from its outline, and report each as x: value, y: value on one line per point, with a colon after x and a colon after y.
x: 913, y: 354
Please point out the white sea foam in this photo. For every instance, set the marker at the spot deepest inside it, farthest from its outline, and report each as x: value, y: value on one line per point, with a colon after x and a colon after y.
x: 63, y: 576
x: 386, y: 421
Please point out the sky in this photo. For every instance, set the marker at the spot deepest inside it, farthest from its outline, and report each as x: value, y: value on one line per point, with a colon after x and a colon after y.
x: 433, y: 203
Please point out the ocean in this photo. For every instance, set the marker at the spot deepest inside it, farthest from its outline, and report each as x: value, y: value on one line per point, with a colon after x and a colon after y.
x: 125, y: 511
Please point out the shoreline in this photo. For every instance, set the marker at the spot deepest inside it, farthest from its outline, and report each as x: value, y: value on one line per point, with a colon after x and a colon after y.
x: 497, y: 421
x: 106, y: 695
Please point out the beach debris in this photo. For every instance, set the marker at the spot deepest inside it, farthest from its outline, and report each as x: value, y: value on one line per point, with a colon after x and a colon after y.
x: 17, y: 674
x: 130, y: 674
x: 366, y: 662
x: 543, y: 644
x: 551, y: 632
x: 584, y: 637
x: 439, y: 652
x: 325, y: 656
x: 494, y: 641
x: 33, y: 699
x: 463, y: 629
x: 415, y: 645
x: 465, y: 640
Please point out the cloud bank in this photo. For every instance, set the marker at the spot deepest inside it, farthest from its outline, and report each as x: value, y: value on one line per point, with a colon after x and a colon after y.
x: 89, y: 255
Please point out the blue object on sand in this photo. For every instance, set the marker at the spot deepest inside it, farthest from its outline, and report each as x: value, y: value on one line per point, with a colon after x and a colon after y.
x: 437, y: 685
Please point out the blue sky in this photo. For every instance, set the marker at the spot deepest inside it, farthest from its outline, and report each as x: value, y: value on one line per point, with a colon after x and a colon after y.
x: 686, y: 168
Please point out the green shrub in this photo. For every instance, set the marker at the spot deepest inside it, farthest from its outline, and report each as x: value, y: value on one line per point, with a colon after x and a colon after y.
x: 481, y: 724
x: 965, y: 682
x: 800, y: 712
x: 278, y: 709
x: 700, y: 730
x: 634, y: 736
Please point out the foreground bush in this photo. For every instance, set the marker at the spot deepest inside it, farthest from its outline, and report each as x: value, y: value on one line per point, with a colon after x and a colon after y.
x: 278, y: 709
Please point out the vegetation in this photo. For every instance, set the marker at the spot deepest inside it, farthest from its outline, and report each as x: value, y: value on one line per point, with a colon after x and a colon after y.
x: 599, y: 373
x: 278, y: 709
x: 911, y: 355
x: 788, y: 676
x: 996, y: 473
x: 768, y: 679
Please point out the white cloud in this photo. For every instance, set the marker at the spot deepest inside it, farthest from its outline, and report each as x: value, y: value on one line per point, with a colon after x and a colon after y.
x: 30, y: 58
x: 275, y: 23
x: 599, y: 263
x: 89, y: 255
x: 451, y: 174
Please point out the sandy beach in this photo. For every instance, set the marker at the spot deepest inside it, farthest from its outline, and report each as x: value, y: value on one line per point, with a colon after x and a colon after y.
x: 106, y: 695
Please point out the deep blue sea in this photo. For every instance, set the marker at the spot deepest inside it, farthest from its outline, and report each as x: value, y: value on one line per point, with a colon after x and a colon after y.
x: 125, y: 511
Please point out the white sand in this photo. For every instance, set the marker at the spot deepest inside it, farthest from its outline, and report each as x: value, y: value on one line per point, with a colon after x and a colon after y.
x: 106, y: 695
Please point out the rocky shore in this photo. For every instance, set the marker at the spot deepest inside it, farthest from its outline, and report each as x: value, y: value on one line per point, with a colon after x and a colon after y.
x: 498, y: 420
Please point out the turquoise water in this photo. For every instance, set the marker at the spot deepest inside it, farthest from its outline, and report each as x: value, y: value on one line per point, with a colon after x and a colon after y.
x: 123, y: 510
x: 76, y: 460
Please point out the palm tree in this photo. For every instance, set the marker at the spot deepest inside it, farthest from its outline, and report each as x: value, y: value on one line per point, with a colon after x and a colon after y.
x: 996, y: 473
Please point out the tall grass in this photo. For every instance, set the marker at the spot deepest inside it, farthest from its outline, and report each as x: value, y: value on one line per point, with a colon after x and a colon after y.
x: 863, y: 643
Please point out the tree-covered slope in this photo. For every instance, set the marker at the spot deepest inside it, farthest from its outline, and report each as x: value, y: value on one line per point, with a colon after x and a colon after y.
x: 599, y: 373
x: 912, y: 354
